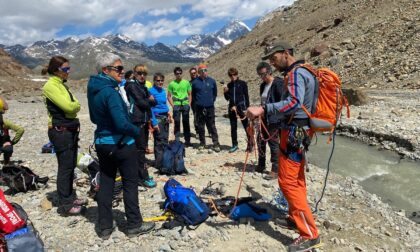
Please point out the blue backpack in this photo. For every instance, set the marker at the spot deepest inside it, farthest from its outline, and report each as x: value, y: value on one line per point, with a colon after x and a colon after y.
x: 173, y: 159
x: 185, y: 203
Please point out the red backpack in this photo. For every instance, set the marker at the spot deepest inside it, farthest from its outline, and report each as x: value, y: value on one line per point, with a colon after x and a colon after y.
x: 329, y: 102
x: 9, y: 219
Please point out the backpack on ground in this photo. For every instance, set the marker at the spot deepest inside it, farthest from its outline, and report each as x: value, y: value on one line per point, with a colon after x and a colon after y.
x: 329, y: 99
x: 173, y: 159
x: 20, y: 178
x: 185, y: 203
x: 24, y: 239
x: 90, y: 165
x: 48, y: 148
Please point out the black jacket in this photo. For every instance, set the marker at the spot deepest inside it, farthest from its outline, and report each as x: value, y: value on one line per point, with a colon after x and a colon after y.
x: 140, y: 105
x: 237, y: 94
x: 274, y: 95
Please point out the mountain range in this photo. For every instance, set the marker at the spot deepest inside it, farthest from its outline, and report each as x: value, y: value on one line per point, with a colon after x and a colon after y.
x: 82, y: 52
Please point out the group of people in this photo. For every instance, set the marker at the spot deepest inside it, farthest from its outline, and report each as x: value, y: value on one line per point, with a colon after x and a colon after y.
x: 125, y: 107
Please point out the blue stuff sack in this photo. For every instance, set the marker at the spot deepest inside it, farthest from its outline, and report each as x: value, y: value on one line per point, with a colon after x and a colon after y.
x: 247, y: 210
x: 185, y: 203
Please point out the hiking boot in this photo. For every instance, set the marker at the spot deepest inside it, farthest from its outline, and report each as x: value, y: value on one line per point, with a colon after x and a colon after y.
x: 270, y: 176
x: 286, y: 223
x: 73, y: 211
x: 105, y: 234
x: 188, y: 144
x: 233, y: 149
x: 216, y: 148
x: 145, y: 227
x: 201, y: 147
x: 302, y: 244
x: 80, y: 202
x: 149, y: 182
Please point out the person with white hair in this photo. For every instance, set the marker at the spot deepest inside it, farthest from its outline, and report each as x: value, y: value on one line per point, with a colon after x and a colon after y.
x: 114, y: 142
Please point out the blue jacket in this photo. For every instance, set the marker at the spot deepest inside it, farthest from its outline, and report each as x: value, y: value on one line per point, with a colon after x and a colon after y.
x: 204, y: 92
x: 108, y: 111
x: 301, y: 87
x: 161, y: 106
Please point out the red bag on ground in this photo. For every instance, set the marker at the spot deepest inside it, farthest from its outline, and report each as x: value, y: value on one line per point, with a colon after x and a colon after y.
x: 9, y: 219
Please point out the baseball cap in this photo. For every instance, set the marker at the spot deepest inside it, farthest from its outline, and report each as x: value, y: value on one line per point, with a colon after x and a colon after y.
x: 277, y: 47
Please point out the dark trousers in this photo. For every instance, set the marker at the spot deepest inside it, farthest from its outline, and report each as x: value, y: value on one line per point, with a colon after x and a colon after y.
x: 206, y: 116
x: 7, y: 153
x: 184, y: 112
x: 123, y: 157
x: 273, y: 143
x: 160, y: 140
x: 141, y: 145
x: 234, y: 125
x: 65, y: 146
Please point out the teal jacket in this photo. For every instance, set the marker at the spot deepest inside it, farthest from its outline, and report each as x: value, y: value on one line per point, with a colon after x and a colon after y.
x: 109, y: 112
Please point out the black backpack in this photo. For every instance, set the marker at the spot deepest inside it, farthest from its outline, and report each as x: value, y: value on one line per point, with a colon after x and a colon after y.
x: 20, y: 178
x: 173, y: 159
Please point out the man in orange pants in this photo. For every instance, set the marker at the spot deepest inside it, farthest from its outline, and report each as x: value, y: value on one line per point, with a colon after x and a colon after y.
x: 300, y: 85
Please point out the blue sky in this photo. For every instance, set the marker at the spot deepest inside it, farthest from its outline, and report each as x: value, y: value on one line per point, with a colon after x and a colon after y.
x: 167, y: 21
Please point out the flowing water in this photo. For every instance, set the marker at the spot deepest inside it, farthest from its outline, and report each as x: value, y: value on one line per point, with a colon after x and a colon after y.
x: 395, y: 180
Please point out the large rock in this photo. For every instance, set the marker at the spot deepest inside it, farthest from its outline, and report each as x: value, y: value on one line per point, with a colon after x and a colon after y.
x: 355, y: 96
x: 319, y: 49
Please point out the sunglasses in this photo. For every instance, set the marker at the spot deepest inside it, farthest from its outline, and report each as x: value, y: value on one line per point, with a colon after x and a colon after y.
x: 64, y: 69
x: 262, y: 75
x: 203, y: 70
x: 118, y: 69
x: 178, y: 73
x: 159, y: 80
x: 193, y: 72
x: 141, y: 73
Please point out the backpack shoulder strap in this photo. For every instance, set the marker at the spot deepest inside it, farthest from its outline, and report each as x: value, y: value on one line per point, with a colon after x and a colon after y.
x: 289, y: 75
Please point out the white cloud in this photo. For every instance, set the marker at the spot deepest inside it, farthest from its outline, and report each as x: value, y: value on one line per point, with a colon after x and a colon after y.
x: 28, y: 21
x: 163, y: 12
x: 163, y: 28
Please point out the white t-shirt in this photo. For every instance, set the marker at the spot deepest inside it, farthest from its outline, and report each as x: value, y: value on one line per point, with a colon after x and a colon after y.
x: 265, y: 93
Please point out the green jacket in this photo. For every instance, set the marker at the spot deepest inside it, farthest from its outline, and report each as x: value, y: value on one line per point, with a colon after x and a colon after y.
x: 8, y: 125
x: 62, y: 106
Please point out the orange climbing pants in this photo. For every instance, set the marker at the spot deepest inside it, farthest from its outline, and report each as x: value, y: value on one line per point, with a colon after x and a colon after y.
x: 292, y: 183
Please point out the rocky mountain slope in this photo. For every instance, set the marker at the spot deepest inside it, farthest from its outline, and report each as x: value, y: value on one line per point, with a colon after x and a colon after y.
x: 371, y: 44
x: 9, y: 66
x: 160, y: 57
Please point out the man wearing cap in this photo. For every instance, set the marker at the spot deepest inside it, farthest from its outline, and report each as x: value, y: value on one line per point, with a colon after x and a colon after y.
x: 204, y: 93
x: 179, y: 97
x: 300, y: 92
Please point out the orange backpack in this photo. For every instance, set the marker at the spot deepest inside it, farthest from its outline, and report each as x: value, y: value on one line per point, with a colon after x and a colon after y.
x: 329, y: 101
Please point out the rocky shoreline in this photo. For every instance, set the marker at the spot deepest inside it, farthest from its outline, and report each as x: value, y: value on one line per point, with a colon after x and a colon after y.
x: 349, y: 218
x: 389, y: 120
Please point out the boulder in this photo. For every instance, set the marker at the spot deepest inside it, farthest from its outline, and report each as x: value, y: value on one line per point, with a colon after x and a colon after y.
x: 355, y: 96
x: 319, y: 49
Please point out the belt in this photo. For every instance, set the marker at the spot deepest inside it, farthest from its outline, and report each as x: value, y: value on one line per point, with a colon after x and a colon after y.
x: 300, y: 122
x: 63, y: 128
